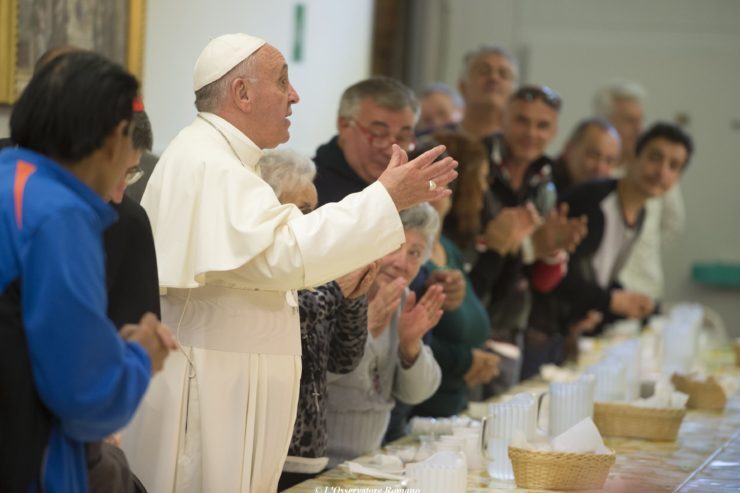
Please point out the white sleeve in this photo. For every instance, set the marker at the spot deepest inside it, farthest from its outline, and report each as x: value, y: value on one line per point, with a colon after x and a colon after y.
x: 420, y: 381
x: 309, y: 250
x: 673, y: 216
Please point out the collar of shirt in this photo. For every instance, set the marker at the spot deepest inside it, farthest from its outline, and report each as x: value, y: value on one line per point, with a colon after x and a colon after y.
x: 246, y: 150
x: 538, y: 172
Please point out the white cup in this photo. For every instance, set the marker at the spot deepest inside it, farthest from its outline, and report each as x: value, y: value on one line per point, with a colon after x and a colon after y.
x: 443, y: 472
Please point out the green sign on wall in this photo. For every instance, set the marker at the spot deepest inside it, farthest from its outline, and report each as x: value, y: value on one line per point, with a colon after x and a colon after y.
x: 299, y: 24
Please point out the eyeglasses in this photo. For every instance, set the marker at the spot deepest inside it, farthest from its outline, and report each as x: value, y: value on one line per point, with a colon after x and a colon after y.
x: 133, y: 175
x: 379, y: 137
x: 543, y: 93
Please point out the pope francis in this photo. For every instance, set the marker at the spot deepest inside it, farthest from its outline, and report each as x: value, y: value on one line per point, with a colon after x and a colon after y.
x: 219, y: 418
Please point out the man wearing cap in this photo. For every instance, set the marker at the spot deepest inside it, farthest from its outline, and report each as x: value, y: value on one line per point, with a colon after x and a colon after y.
x: 230, y: 258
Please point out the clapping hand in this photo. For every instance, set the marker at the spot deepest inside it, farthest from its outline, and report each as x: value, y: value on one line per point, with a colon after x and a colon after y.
x: 558, y: 232
x: 383, y: 304
x: 453, y: 286
x: 417, y: 319
x: 483, y: 368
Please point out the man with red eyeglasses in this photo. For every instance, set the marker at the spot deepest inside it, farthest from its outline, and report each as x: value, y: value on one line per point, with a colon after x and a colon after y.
x: 373, y: 115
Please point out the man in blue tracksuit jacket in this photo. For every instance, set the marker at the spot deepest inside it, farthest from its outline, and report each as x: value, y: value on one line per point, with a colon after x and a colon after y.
x: 66, y: 376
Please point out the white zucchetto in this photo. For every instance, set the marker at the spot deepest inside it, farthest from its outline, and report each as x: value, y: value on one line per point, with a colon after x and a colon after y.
x: 221, y: 55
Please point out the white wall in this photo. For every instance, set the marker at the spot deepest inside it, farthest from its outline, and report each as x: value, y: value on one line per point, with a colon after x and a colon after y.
x: 336, y: 53
x: 685, y: 53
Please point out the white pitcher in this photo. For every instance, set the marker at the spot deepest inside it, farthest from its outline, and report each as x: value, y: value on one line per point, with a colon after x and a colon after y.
x: 681, y: 338
x: 630, y: 353
x: 519, y: 414
x: 569, y: 403
x: 611, y: 380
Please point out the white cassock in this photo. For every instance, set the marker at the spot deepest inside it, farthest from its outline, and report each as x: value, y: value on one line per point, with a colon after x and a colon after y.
x: 219, y: 418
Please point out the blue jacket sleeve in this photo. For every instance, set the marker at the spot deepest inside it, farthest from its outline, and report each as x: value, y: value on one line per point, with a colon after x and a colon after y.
x: 89, y: 378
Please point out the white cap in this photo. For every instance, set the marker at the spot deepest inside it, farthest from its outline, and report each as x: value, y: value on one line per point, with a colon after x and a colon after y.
x: 221, y: 55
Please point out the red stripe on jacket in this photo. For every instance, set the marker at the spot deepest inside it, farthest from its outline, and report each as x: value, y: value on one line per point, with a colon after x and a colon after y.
x: 23, y: 171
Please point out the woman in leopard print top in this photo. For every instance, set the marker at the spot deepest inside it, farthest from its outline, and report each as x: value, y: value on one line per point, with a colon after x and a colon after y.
x: 333, y: 325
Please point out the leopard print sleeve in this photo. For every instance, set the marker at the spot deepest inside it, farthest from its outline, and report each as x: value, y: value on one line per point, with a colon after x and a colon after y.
x: 349, y: 336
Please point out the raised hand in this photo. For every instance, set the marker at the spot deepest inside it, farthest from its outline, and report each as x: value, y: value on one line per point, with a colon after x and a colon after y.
x: 483, y: 369
x: 417, y: 319
x: 383, y: 304
x: 505, y: 232
x: 358, y: 282
x: 558, y: 232
x: 453, y: 286
x: 422, y: 180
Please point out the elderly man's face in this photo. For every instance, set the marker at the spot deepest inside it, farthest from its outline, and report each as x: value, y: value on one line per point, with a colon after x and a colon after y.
x: 628, y: 119
x: 658, y: 167
x: 367, y: 138
x: 273, y: 97
x: 593, y: 156
x: 489, y: 82
x: 437, y: 110
x: 404, y: 262
x: 529, y: 126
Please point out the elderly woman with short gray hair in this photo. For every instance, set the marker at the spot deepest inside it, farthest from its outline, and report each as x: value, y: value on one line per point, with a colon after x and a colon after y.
x: 333, y: 324
x: 396, y: 363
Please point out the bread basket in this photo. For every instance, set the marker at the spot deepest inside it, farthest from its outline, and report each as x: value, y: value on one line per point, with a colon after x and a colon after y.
x: 649, y: 423
x: 559, y: 470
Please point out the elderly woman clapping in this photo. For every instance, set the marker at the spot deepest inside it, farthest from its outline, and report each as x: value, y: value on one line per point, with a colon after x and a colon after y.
x: 396, y: 363
x: 333, y: 324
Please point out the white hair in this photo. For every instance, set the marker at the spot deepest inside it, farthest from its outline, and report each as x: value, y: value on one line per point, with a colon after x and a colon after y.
x: 605, y: 97
x: 210, y: 97
x: 423, y: 219
x: 285, y: 170
x: 442, y: 88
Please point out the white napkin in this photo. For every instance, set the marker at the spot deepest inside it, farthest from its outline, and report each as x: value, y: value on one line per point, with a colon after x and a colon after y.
x: 553, y: 373
x: 581, y: 438
x: 359, y: 469
x: 665, y: 396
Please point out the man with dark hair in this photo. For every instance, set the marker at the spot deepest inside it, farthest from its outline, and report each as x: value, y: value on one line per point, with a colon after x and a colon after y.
x: 133, y: 290
x: 69, y: 375
x: 616, y: 212
x: 133, y: 286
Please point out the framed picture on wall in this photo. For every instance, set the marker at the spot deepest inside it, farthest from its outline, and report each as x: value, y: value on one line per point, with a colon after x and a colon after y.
x: 28, y: 28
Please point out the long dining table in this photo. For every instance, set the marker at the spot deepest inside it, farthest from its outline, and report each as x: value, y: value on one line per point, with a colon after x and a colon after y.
x: 704, y: 458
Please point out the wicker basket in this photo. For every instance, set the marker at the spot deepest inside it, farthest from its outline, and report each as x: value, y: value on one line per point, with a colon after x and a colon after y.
x: 559, y: 470
x: 624, y: 420
x: 702, y: 395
